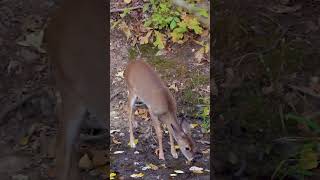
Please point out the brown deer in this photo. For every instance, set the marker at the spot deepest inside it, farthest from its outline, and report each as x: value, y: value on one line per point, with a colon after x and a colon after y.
x: 143, y: 82
x: 77, y: 48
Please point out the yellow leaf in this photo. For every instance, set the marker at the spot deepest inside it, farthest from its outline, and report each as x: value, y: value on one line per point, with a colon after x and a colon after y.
x: 153, y: 167
x: 145, y: 39
x: 176, y: 147
x: 135, y: 142
x: 160, y: 40
x: 127, y: 1
x: 139, y: 175
x: 194, y: 125
x: 24, y: 140
x: 112, y: 175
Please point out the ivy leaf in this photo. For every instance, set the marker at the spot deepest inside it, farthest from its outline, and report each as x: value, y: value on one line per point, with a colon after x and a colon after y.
x: 160, y: 40
x: 173, y: 24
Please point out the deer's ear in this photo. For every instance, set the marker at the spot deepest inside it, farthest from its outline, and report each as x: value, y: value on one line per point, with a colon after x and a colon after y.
x: 185, y: 126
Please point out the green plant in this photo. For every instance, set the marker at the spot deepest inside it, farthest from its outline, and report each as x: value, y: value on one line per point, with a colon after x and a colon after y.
x: 306, y: 159
x: 204, y: 113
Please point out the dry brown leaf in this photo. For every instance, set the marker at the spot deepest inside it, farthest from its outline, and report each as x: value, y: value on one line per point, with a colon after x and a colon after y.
x: 174, y: 87
x: 145, y: 39
x: 199, y: 54
x: 125, y: 28
x: 85, y: 162
x: 115, y: 141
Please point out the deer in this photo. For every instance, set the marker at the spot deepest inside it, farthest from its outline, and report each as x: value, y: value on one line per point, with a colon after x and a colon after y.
x: 76, y: 45
x: 144, y: 83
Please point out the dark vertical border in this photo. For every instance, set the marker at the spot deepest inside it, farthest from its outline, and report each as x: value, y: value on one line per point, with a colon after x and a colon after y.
x: 107, y: 33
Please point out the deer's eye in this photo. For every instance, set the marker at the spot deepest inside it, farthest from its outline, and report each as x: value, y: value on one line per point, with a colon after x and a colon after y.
x: 187, y: 148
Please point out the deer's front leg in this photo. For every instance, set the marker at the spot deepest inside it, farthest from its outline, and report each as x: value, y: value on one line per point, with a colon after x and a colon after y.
x: 157, y: 127
x: 70, y: 114
x: 173, y: 149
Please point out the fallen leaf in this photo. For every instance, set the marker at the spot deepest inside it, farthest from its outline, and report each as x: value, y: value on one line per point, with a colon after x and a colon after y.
x: 195, y: 169
x: 199, y: 55
x: 85, y: 162
x: 135, y: 142
x: 207, y: 151
x: 173, y: 175
x: 125, y: 28
x: 174, y: 87
x: 178, y: 171
x: 139, y: 175
x: 194, y: 125
x: 136, y: 152
x: 33, y: 40
x: 127, y: 1
x: 153, y: 167
x: 120, y: 74
x: 113, y: 131
x: 24, y: 140
x: 118, y: 152
x: 113, y: 175
x: 115, y: 141
x: 145, y: 39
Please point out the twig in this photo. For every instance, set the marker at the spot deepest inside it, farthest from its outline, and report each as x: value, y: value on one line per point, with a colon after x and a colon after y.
x: 305, y: 90
x: 15, y: 105
x: 282, y: 119
x: 295, y: 139
x: 259, y: 53
x: 123, y: 9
